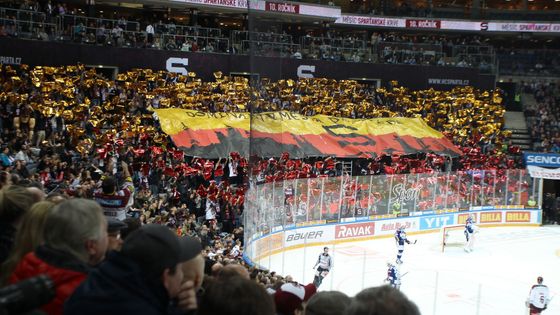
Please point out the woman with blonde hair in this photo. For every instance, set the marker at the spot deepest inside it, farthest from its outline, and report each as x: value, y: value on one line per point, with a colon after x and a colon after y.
x: 15, y: 201
x: 28, y: 237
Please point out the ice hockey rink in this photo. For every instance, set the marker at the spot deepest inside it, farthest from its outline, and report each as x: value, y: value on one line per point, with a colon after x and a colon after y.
x: 494, y: 279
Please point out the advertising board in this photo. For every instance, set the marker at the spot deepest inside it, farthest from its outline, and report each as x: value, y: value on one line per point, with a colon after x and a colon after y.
x: 355, y: 230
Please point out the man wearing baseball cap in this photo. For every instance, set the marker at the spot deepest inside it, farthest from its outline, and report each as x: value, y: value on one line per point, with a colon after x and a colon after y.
x: 143, y: 278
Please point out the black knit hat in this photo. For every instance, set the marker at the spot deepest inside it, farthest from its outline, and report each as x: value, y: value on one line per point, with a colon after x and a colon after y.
x: 155, y: 247
x: 114, y: 225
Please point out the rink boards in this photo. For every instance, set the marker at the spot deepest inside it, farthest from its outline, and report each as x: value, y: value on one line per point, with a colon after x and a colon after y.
x: 366, y: 228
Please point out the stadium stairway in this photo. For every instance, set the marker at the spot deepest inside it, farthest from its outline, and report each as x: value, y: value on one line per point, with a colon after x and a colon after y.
x: 516, y: 123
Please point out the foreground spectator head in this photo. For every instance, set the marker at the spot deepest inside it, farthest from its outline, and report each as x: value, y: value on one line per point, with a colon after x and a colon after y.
x: 28, y: 237
x: 215, y: 267
x: 384, y: 300
x: 37, y: 193
x: 234, y: 270
x: 78, y: 227
x: 109, y: 185
x: 56, y: 198
x: 159, y: 253
x: 291, y: 297
x: 114, y: 228
x: 327, y: 303
x: 5, y: 179
x: 15, y: 201
x: 132, y: 224
x: 75, y: 237
x: 235, y: 296
x: 140, y: 279
x: 193, y: 268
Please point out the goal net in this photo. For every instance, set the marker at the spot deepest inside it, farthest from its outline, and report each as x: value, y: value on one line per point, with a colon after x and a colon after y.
x: 453, y: 236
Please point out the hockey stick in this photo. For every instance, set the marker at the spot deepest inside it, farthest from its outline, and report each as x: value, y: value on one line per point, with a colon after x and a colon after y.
x: 404, y: 274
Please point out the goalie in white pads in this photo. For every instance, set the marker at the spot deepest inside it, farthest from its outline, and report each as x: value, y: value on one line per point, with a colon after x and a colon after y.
x: 470, y: 230
x: 325, y: 263
x: 539, y: 298
x: 393, y: 276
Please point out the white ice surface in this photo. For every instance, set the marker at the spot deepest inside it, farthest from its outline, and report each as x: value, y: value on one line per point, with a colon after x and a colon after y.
x: 492, y: 280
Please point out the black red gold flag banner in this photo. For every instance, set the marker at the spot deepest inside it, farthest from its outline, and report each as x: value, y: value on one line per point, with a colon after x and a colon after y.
x: 215, y: 135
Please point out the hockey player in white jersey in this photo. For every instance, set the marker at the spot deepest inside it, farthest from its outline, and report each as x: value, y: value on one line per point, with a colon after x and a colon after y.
x: 400, y: 238
x: 539, y: 297
x: 470, y: 230
x: 393, y: 276
x: 325, y: 263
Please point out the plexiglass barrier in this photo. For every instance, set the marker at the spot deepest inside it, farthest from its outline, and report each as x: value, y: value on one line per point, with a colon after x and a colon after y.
x: 279, y: 205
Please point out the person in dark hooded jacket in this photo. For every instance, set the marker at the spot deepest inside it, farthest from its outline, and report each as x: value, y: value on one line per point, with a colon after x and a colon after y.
x: 143, y: 278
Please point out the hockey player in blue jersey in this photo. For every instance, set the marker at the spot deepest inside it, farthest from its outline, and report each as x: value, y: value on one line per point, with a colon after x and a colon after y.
x: 469, y: 227
x: 393, y: 276
x: 400, y: 238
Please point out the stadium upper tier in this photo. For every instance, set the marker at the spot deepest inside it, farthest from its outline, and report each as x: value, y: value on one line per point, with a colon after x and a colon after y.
x: 489, y: 46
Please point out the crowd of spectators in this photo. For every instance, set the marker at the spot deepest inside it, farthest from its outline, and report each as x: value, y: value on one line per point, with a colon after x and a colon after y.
x: 472, y: 119
x: 543, y: 121
x: 532, y: 62
x: 70, y: 133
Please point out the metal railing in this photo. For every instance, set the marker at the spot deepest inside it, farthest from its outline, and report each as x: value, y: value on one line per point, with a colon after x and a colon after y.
x: 120, y: 38
x: 339, y: 54
x: 197, y: 31
x: 203, y: 43
x: 28, y: 29
x: 68, y: 21
x: 409, y: 46
x: 531, y: 62
x: 473, y: 49
x: 485, y: 63
x: 308, y: 42
x: 22, y: 15
x: 268, y: 49
x: 409, y: 56
x: 103, y: 36
x: 237, y: 37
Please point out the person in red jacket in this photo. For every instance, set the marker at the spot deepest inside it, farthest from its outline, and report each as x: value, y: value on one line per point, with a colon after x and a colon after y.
x: 75, y: 239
